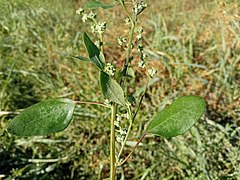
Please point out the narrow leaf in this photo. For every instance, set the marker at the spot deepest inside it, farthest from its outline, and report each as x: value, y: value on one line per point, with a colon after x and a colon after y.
x: 178, y: 118
x: 94, y: 53
x: 43, y: 118
x: 96, y: 4
x: 81, y: 58
x: 75, y: 57
x: 111, y: 89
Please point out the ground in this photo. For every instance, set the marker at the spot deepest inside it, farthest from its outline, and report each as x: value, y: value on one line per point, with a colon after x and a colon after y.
x: 195, y: 46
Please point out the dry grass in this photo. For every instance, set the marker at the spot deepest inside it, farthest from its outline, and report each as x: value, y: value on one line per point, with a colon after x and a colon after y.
x: 194, y: 45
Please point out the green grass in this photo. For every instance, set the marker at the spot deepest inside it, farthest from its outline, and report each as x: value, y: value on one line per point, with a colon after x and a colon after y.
x: 195, y: 52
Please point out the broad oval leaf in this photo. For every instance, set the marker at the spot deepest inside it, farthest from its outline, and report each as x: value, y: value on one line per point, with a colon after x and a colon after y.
x: 43, y: 118
x: 96, y: 4
x: 94, y: 53
x: 177, y: 118
x: 111, y: 89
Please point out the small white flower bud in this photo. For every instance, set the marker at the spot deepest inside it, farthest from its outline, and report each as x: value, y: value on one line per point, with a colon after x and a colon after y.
x: 132, y: 46
x: 80, y: 11
x: 152, y: 72
x: 92, y: 15
x: 120, y: 138
x: 140, y: 48
x: 123, y: 131
x: 142, y: 64
x: 127, y: 21
x: 122, y: 41
x: 84, y: 17
x: 98, y: 44
x: 139, y: 36
x: 116, y: 123
x: 119, y: 118
x: 144, y: 56
x: 107, y: 102
x: 140, y: 30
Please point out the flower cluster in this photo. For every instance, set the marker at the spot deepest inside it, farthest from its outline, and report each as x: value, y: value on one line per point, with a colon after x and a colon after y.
x: 122, y: 41
x: 139, y: 35
x: 121, y: 136
x: 127, y: 21
x: 139, y: 7
x: 99, y: 27
x: 142, y: 62
x: 109, y: 69
x: 85, y: 17
x: 121, y: 131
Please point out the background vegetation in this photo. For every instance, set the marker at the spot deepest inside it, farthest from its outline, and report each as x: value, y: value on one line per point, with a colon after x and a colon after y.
x: 195, y: 45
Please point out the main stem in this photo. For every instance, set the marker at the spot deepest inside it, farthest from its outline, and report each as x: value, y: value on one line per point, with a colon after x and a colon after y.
x: 112, y: 143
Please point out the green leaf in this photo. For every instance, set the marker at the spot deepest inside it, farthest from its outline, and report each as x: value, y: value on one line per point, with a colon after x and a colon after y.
x: 178, y: 118
x: 130, y: 72
x: 111, y: 89
x: 81, y: 58
x: 96, y: 4
x: 43, y: 118
x: 94, y: 53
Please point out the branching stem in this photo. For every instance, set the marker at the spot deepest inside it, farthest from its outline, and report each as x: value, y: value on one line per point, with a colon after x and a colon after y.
x: 135, y: 147
x: 141, y: 99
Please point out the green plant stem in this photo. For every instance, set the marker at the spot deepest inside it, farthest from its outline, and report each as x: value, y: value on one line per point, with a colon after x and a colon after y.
x: 100, y: 35
x: 112, y: 143
x: 127, y: 135
x: 141, y: 99
x: 129, y: 50
x: 2, y: 113
x: 135, y: 147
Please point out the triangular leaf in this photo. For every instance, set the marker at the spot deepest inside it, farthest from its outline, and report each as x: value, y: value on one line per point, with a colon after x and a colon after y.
x: 111, y: 89
x: 94, y: 53
x: 43, y: 118
x: 178, y: 118
x: 96, y: 4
